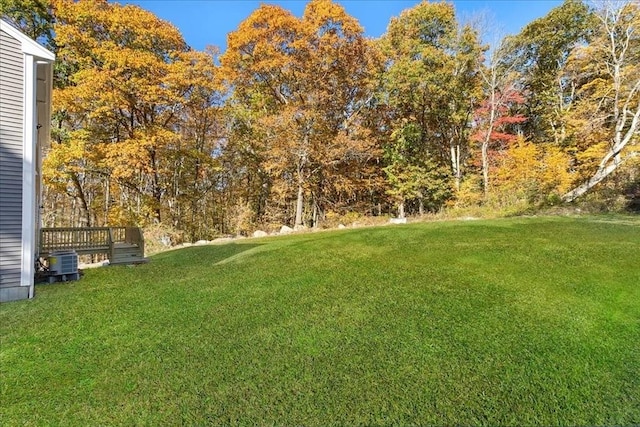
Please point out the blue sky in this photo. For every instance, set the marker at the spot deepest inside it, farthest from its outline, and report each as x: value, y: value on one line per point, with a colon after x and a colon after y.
x: 207, y: 22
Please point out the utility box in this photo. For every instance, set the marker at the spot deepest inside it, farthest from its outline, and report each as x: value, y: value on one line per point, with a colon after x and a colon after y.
x: 63, y: 266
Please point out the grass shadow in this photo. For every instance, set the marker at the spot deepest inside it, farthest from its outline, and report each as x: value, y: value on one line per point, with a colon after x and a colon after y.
x: 211, y: 254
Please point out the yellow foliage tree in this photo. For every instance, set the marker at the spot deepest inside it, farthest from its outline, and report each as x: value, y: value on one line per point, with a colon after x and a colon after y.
x: 129, y: 77
x: 606, y: 73
x: 530, y: 173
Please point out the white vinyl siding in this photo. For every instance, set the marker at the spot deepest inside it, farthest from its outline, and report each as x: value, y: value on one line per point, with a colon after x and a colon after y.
x: 11, y: 159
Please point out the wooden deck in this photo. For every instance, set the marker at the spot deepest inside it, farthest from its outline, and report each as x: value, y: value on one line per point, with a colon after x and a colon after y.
x: 122, y: 245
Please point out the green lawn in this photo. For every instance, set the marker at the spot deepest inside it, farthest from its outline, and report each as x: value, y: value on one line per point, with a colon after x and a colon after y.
x: 504, y: 322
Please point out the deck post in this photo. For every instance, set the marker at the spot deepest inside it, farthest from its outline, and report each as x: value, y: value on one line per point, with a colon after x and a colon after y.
x: 111, y: 245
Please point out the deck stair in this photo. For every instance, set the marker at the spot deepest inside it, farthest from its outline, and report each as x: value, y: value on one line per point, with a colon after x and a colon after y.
x: 122, y: 245
x: 126, y: 253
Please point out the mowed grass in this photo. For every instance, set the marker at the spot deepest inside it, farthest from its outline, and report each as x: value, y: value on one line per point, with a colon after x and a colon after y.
x: 503, y: 322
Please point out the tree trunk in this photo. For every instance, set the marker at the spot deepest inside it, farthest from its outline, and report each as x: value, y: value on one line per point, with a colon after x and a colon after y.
x: 455, y: 164
x: 600, y: 175
x: 299, y: 205
x: 485, y: 167
x: 485, y: 143
x: 401, y: 209
x: 302, y: 160
x: 315, y: 216
x: 157, y: 191
x: 107, y: 196
x: 82, y: 197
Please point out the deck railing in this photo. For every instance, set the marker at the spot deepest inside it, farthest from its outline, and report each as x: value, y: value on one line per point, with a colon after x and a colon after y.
x: 89, y: 240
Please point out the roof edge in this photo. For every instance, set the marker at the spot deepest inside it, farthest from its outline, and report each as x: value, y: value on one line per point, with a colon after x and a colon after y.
x: 29, y: 46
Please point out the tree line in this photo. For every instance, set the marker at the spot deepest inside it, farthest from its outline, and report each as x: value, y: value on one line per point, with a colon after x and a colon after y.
x: 305, y: 120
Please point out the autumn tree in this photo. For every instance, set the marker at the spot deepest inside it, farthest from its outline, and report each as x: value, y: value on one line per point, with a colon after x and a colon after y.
x: 33, y: 17
x: 260, y: 65
x: 193, y: 163
x: 306, y: 82
x: 431, y: 86
x: 120, y: 116
x: 607, y: 76
x: 540, y: 53
x: 495, y: 113
x: 412, y: 177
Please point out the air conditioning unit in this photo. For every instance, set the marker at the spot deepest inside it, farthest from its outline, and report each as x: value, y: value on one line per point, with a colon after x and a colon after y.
x: 63, y: 266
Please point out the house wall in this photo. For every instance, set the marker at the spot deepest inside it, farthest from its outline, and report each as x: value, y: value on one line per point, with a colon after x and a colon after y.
x: 12, y: 93
x: 44, y: 76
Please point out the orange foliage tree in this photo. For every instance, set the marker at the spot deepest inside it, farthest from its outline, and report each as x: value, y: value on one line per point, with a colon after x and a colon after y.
x: 306, y: 83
